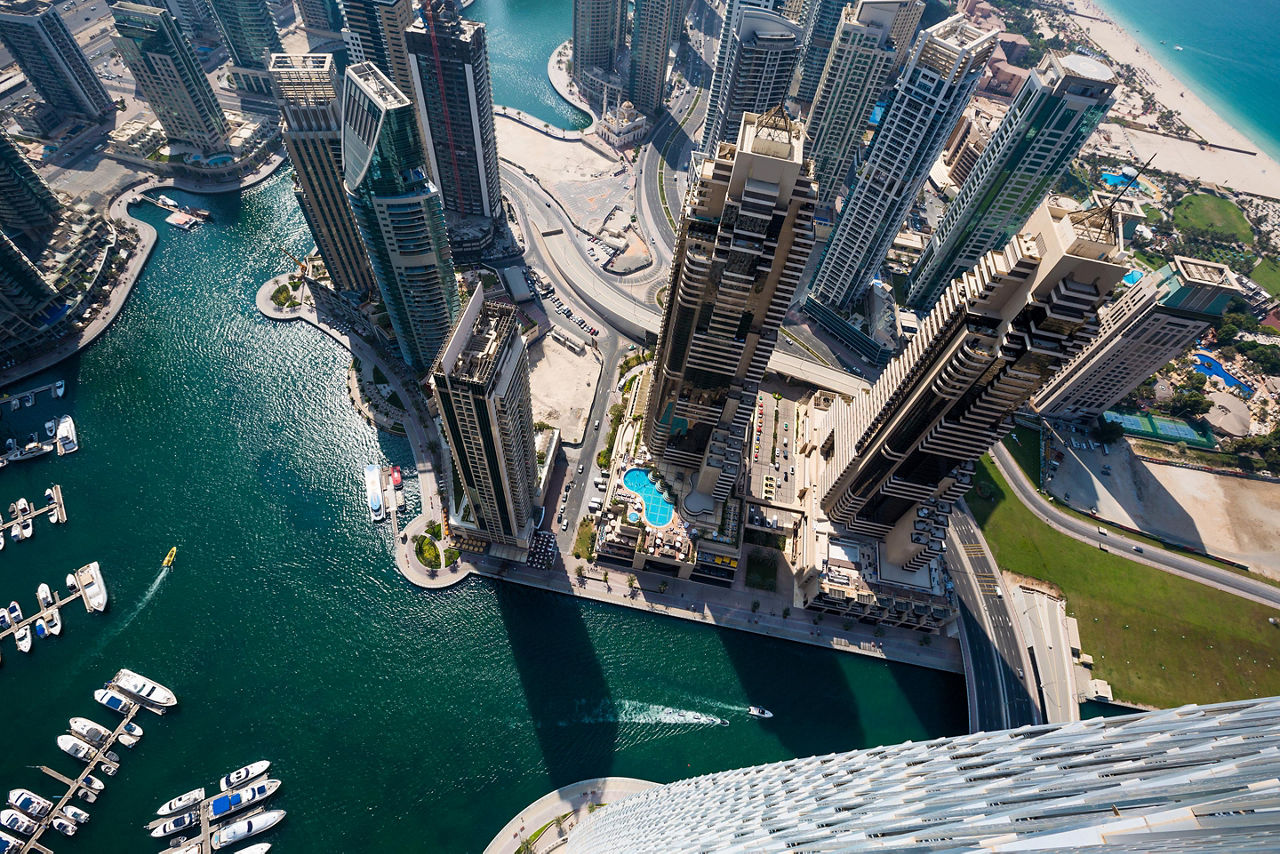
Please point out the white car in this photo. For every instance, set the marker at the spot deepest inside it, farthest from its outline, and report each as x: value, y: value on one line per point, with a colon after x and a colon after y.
x: 564, y: 526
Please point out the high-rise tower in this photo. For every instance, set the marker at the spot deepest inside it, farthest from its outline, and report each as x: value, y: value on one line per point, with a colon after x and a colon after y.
x: 481, y: 385
x: 25, y: 303
x: 192, y: 15
x: 166, y: 70
x: 650, y: 44
x: 250, y: 34
x: 992, y: 341
x: 1050, y: 119
x: 321, y: 15
x: 759, y: 64
x: 859, y: 62
x: 306, y: 90
x: 946, y: 62
x: 1196, y: 779
x: 374, y: 33
x: 1144, y: 328
x: 745, y: 235
x: 49, y: 56
x: 399, y: 212
x: 449, y: 58
x: 793, y: 11
x: 599, y: 35
x: 26, y: 202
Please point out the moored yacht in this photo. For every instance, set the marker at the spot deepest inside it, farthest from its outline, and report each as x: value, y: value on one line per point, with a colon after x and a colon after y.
x: 55, y: 622
x: 75, y: 747
x: 373, y: 492
x: 15, y: 613
x: 23, y: 637
x: 240, y: 776
x: 59, y: 388
x: 64, y: 826
x: 44, y: 595
x: 9, y: 844
x: 173, y: 825
x: 114, y: 701
x: 68, y: 442
x: 181, y: 802
x: 74, y: 813
x: 245, y: 828
x: 89, y: 579
x: 144, y: 689
x: 93, y: 733
x: 30, y: 803
x: 224, y: 805
x: 16, y: 821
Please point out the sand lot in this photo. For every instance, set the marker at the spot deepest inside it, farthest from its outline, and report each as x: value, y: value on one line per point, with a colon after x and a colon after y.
x: 563, y: 384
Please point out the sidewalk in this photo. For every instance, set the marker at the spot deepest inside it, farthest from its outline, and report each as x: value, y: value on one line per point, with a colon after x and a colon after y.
x: 564, y: 85
x: 571, y: 803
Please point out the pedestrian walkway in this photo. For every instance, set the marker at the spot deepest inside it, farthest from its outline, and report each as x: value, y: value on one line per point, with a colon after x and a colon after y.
x: 570, y: 804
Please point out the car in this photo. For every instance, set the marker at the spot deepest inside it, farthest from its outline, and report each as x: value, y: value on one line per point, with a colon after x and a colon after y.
x: 597, y: 427
x: 564, y: 523
x: 580, y: 468
x: 1138, y: 549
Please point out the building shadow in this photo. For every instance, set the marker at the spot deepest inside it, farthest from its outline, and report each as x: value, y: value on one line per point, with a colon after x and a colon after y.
x: 573, y: 713
x: 673, y: 148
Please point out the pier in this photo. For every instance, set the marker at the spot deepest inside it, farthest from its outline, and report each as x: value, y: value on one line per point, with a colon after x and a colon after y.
x: 59, y: 600
x: 202, y: 215
x: 392, y: 499
x: 58, y: 507
x: 18, y: 397
x: 208, y: 824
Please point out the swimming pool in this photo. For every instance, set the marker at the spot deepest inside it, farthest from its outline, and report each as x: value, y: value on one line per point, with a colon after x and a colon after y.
x: 1111, y: 179
x: 1210, y: 367
x: 657, y: 510
x: 1133, y: 277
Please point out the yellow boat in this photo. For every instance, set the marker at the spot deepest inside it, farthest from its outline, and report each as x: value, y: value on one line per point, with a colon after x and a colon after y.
x: 168, y: 559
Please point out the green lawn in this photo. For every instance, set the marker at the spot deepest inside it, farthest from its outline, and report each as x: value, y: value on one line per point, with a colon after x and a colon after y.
x: 1267, y: 275
x: 1027, y: 454
x: 762, y: 570
x: 1213, y: 213
x: 1158, y: 639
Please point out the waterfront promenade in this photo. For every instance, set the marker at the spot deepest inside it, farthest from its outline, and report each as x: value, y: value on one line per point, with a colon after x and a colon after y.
x: 570, y: 804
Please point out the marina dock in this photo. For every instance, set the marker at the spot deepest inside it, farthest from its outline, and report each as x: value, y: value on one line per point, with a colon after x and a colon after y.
x: 392, y: 499
x: 208, y: 823
x: 22, y: 396
x: 59, y: 600
x: 58, y: 507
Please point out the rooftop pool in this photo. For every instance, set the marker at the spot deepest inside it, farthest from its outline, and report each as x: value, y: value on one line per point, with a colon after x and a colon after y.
x: 657, y: 510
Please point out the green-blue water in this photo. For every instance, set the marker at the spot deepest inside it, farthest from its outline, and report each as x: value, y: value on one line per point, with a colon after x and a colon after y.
x: 522, y: 34
x: 1230, y: 56
x: 399, y: 720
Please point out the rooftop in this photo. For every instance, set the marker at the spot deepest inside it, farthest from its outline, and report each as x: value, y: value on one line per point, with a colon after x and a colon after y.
x: 481, y: 352
x: 371, y: 79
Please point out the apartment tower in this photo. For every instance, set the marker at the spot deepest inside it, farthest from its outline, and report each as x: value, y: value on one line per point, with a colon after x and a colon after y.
x: 374, y: 33
x: 192, y: 15
x: 1196, y: 780
x: 651, y: 35
x: 481, y: 385
x: 733, y: 9
x: 599, y: 37
x: 306, y: 91
x: 760, y: 61
x: 166, y: 70
x: 321, y: 16
x: 745, y: 235
x: 895, y: 458
x: 26, y: 202
x: 27, y: 304
x: 1051, y: 117
x: 250, y: 34
x: 449, y: 58
x: 946, y: 63
x: 399, y: 213
x: 1145, y: 327
x: 34, y: 33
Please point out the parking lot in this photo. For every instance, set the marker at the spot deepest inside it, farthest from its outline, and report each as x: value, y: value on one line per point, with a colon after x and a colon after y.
x: 771, y: 476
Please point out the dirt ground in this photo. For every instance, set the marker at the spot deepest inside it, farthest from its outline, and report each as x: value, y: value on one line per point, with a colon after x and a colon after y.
x: 1227, y: 516
x: 563, y: 384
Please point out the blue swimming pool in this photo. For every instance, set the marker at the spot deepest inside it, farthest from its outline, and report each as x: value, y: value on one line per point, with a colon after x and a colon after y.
x: 657, y: 510
x: 1210, y: 367
x: 1133, y: 277
x: 1111, y: 179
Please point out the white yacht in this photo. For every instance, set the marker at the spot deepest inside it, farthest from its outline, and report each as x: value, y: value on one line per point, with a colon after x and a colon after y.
x: 15, y: 530
x: 30, y: 803
x: 89, y: 579
x: 760, y: 712
x: 224, y: 805
x: 51, y: 427
x: 9, y: 844
x: 182, y: 802
x: 64, y: 826
x: 15, y: 613
x: 55, y: 622
x: 15, y: 820
x: 23, y: 637
x: 240, y: 776
x: 75, y: 747
x: 243, y: 829
x: 74, y: 813
x: 260, y: 848
x: 373, y: 492
x: 173, y: 825
x: 92, y: 783
x: 68, y: 442
x: 114, y: 701
x: 133, y: 729
x: 59, y: 388
x: 149, y: 692
x: 44, y: 595
x: 28, y: 529
x: 42, y: 628
x: 96, y: 734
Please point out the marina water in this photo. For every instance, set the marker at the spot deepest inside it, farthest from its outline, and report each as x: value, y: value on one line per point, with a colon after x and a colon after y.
x: 400, y: 720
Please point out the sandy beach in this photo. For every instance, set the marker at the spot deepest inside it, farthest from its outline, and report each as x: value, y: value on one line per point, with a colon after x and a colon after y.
x: 1247, y: 170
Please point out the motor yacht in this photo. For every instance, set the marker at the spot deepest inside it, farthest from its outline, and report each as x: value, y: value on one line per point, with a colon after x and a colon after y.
x: 240, y: 776
x: 181, y: 802
x: 149, y: 692
x: 243, y: 829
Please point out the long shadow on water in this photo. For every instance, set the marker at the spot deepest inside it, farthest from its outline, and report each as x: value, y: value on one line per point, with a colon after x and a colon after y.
x: 564, y: 685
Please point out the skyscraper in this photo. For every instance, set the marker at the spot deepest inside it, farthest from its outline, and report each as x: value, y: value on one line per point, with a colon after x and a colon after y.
x: 761, y: 58
x: 449, y: 58
x: 599, y: 35
x: 793, y: 11
x: 992, y: 341
x: 374, y: 33
x: 858, y: 65
x: 745, y: 235
x: 306, y: 89
x: 321, y: 15
x: 191, y: 15
x: 1145, y: 327
x: 1196, y: 779
x: 250, y: 34
x: 820, y: 30
x: 946, y: 62
x: 399, y: 212
x: 34, y: 32
x: 650, y: 44
x: 26, y: 202
x: 482, y: 389
x: 1050, y: 119
x: 166, y: 70
x: 25, y: 298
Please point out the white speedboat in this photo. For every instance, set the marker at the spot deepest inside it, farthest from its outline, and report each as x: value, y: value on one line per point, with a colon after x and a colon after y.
x: 182, y: 802
x: 260, y: 848
x: 89, y: 579
x: 1, y: 539
x: 28, y: 528
x: 240, y: 776
x: 55, y: 621
x: 15, y: 613
x: 114, y: 701
x: 133, y: 729
x: 243, y: 829
x: 28, y: 399
x: 173, y: 825
x: 373, y: 493
x: 42, y: 628
x: 44, y: 595
x: 51, y: 427
x: 59, y: 388
x: 23, y: 637
x: 196, y: 847
x: 94, y: 733
x: 149, y: 692
x: 74, y: 813
x: 92, y: 783
x: 15, y: 530
x: 68, y: 442
x: 9, y: 844
x: 760, y: 712
x: 30, y: 803
x: 224, y: 805
x: 16, y: 821
x: 63, y: 825
x: 75, y: 748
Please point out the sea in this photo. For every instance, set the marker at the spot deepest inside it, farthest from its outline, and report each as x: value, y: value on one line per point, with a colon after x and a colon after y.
x: 1230, y: 56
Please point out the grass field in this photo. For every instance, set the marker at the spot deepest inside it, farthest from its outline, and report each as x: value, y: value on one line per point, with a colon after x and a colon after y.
x: 1267, y: 275
x: 1024, y: 444
x: 1158, y: 639
x: 1211, y: 212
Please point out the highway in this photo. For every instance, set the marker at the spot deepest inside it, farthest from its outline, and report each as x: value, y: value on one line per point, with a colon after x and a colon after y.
x: 1001, y: 674
x: 1115, y: 541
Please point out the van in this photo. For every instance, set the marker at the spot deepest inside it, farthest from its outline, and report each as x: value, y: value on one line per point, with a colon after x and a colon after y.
x: 594, y: 506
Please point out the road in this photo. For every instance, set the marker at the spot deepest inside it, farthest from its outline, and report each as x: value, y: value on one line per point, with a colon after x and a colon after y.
x: 1115, y: 541
x: 997, y: 654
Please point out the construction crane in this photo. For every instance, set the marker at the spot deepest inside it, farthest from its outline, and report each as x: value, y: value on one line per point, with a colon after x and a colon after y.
x: 302, y: 268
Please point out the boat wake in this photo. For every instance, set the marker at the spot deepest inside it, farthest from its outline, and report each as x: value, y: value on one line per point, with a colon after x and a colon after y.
x: 649, y: 714
x: 142, y: 603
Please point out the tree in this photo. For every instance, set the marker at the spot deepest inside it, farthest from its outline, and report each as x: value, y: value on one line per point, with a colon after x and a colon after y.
x: 605, y: 577
x: 1195, y: 381
x: 662, y: 588
x: 1109, y: 431
x: 582, y: 573
x: 1189, y: 404
x: 755, y: 606
x: 1228, y: 333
